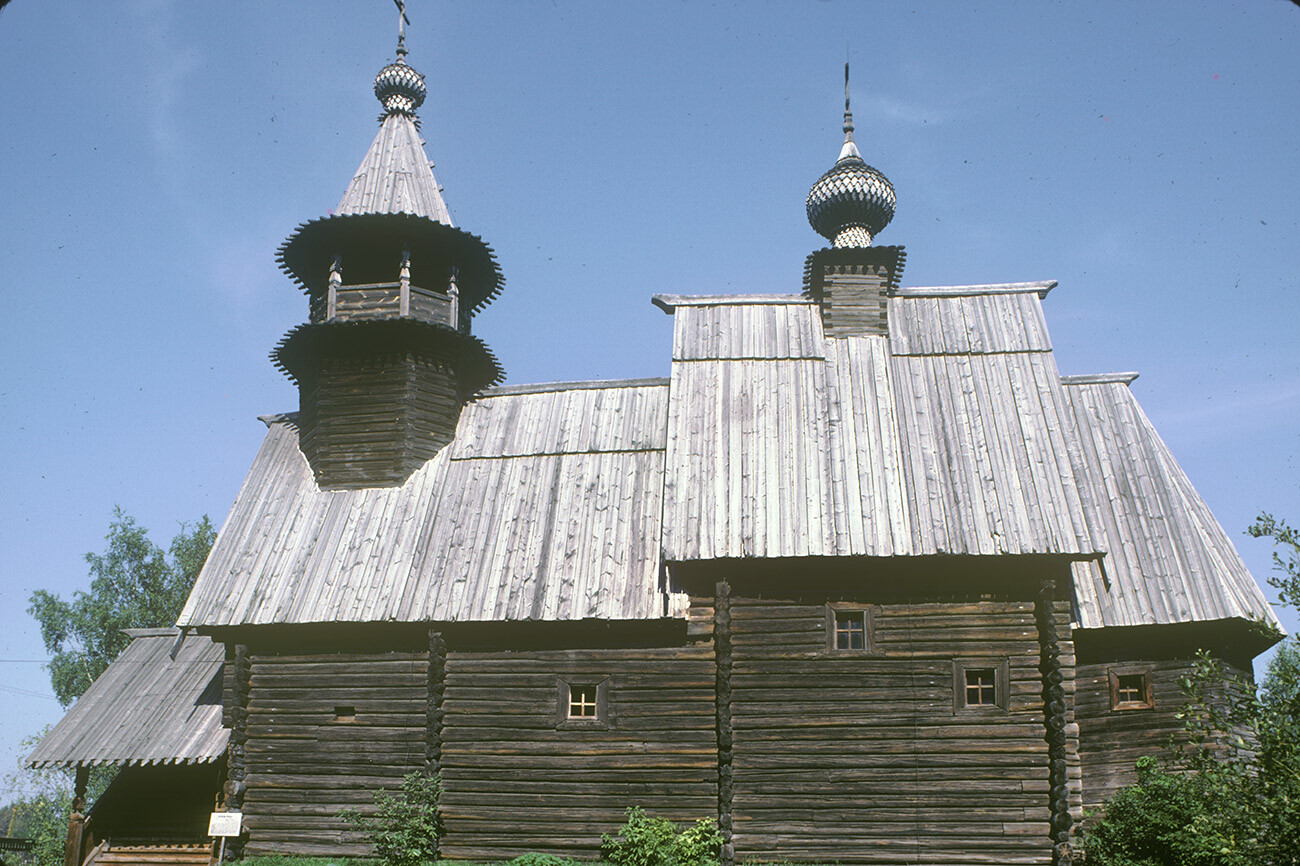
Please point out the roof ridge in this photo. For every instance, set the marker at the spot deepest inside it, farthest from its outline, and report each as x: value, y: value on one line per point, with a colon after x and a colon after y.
x: 576, y: 385
x: 669, y: 302
x: 1099, y: 378
x: 1039, y: 287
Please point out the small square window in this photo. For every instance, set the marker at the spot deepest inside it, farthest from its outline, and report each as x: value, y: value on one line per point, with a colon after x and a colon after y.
x: 345, y: 714
x: 582, y: 702
x: 849, y: 627
x: 981, y: 684
x: 980, y: 688
x: 1130, y: 689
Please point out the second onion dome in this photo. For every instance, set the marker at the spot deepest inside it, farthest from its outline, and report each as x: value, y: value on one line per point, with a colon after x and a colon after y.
x: 853, y: 202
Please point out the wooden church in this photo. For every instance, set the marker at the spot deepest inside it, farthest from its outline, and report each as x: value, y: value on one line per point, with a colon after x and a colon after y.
x: 866, y: 579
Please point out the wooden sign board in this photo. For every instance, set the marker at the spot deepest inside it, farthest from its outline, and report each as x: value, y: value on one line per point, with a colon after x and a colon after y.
x: 225, y: 824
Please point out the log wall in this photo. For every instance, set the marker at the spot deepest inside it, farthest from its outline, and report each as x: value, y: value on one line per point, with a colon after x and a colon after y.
x: 367, y: 422
x: 516, y: 779
x: 305, y: 762
x: 808, y: 752
x: 1111, y: 740
x: 862, y: 757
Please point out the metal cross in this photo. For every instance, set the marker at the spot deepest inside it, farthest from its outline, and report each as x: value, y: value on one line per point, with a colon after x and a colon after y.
x: 402, y: 21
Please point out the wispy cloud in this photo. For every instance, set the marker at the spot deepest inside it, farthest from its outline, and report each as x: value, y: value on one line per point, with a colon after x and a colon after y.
x: 167, y: 67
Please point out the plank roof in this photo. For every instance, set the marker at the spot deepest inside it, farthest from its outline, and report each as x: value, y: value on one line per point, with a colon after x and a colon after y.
x: 1169, y: 560
x: 954, y: 435
x: 145, y: 708
x: 949, y: 436
x: 395, y: 176
x: 546, y: 506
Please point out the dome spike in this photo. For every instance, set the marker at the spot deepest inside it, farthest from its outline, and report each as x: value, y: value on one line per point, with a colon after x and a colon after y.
x: 850, y: 148
x: 850, y: 204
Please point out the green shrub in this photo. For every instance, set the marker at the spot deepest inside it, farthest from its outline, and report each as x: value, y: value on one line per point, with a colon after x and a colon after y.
x: 650, y: 841
x: 405, y: 827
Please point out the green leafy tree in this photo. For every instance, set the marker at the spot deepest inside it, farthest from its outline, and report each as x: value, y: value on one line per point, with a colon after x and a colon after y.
x: 1286, y: 557
x: 134, y: 584
x: 41, y: 814
x: 1230, y: 795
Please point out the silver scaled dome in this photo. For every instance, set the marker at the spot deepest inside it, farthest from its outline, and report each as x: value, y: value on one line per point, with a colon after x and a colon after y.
x: 850, y: 204
x: 400, y: 88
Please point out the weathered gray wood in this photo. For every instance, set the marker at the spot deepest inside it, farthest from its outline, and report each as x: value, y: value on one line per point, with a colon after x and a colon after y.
x: 861, y: 757
x: 300, y: 751
x: 535, y: 785
x: 1111, y: 740
x: 147, y: 707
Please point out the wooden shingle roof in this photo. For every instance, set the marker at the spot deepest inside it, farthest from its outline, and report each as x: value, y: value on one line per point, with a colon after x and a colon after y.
x: 946, y: 437
x: 954, y: 435
x: 1169, y: 560
x: 395, y: 176
x: 145, y: 708
x: 544, y: 507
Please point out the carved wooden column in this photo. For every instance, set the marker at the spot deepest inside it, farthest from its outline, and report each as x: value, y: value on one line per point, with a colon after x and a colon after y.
x: 336, y: 282
x: 404, y: 285
x: 722, y: 699
x: 1055, y: 718
x: 77, y: 820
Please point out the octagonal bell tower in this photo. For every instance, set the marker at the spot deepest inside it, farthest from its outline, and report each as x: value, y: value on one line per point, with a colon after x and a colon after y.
x: 387, y: 360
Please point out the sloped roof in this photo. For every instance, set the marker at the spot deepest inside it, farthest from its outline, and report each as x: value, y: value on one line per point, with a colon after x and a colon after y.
x: 949, y: 436
x: 1169, y: 560
x: 546, y: 507
x: 395, y: 176
x: 145, y: 708
x: 953, y: 435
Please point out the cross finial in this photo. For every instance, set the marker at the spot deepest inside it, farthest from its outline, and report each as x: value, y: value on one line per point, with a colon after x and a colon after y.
x: 849, y: 149
x: 848, y: 112
x: 402, y: 21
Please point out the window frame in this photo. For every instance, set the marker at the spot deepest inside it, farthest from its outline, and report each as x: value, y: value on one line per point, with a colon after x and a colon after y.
x: 565, y: 683
x: 1148, y: 700
x: 1001, y: 668
x: 868, y: 612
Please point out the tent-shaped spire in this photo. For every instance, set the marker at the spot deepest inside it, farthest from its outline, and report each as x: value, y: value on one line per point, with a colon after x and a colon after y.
x: 396, y: 175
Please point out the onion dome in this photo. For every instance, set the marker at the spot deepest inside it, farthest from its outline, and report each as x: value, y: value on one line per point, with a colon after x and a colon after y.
x: 399, y: 88
x: 850, y: 204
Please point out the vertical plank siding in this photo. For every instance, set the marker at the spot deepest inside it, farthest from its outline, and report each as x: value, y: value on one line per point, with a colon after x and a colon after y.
x: 1111, y: 740
x: 861, y: 757
x: 514, y: 779
x: 305, y: 764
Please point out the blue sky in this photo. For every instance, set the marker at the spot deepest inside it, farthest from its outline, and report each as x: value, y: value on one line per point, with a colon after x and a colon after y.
x: 153, y: 154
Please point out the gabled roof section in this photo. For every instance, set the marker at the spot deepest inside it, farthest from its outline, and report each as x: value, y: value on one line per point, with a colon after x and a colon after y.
x: 546, y: 506
x: 1169, y: 559
x: 396, y: 175
x: 145, y: 708
x: 951, y: 436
